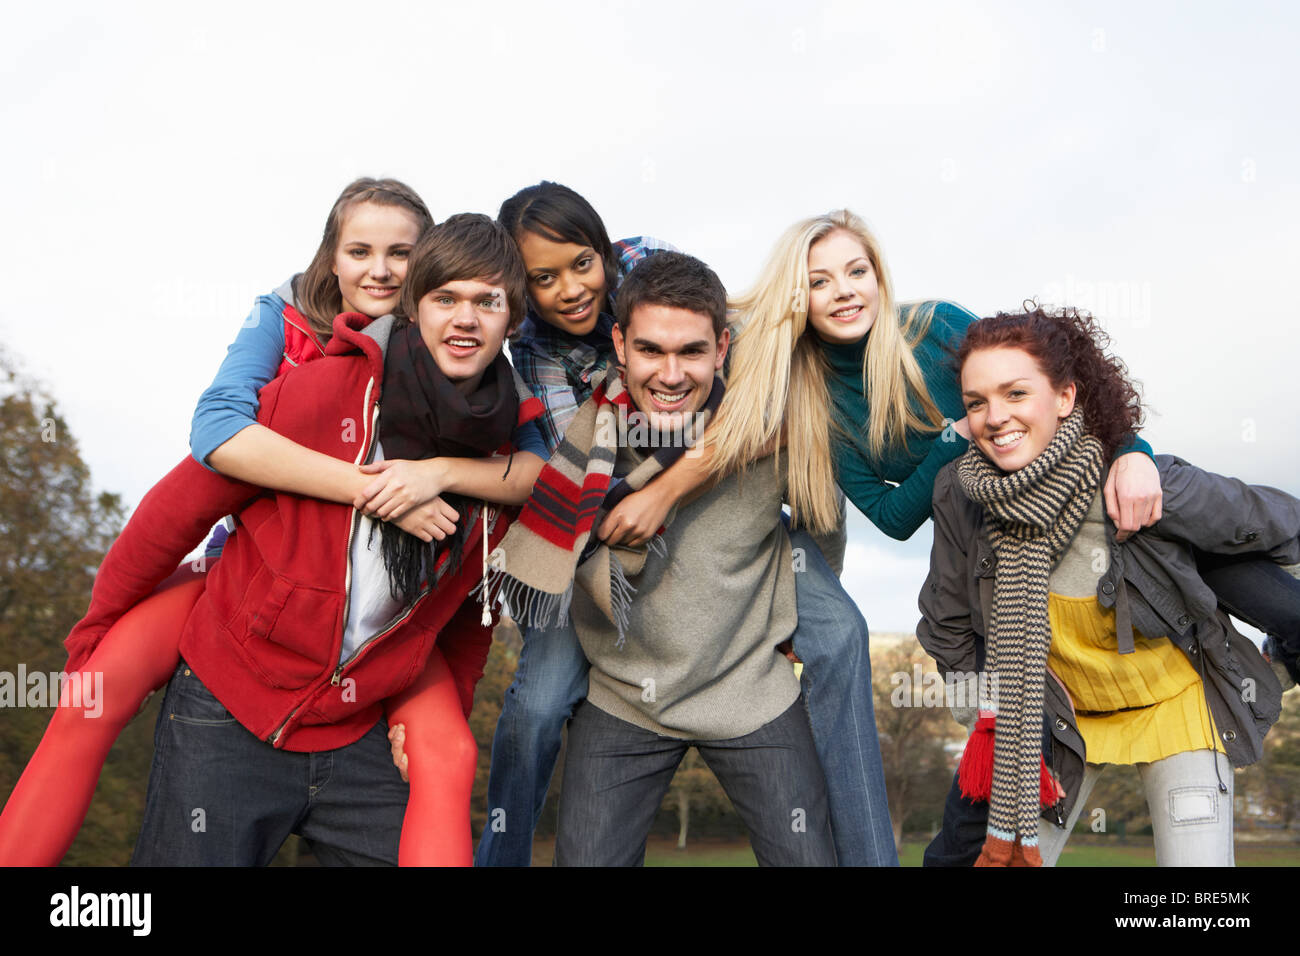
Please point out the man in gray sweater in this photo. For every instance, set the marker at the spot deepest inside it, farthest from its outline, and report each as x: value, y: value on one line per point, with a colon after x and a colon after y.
x: 695, y: 660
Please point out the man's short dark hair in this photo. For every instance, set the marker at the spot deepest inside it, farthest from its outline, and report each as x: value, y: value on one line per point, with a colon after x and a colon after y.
x: 466, y: 246
x: 675, y: 280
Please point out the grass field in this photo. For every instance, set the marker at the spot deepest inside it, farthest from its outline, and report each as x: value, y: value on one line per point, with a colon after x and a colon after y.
x: 1137, y: 852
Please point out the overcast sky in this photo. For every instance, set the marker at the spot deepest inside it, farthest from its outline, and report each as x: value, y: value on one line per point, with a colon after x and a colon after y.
x: 166, y: 163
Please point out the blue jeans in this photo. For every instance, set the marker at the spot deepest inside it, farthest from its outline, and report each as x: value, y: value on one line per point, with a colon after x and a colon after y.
x: 1261, y: 594
x: 218, y: 796
x: 616, y: 775
x: 831, y: 639
x: 550, y: 681
x: 832, y: 642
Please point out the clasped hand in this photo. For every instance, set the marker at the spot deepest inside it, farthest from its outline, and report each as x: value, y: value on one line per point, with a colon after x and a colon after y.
x: 407, y: 493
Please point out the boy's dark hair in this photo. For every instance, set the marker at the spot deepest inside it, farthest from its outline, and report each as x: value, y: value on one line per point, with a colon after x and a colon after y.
x: 673, y: 279
x: 468, y: 245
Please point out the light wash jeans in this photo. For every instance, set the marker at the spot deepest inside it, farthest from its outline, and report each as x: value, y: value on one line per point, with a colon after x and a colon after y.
x: 1190, y: 816
x: 550, y: 681
x: 831, y: 639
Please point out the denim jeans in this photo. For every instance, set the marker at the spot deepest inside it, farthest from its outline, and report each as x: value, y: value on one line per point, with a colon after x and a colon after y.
x: 1263, y: 595
x: 1191, y: 817
x: 616, y: 775
x: 832, y: 642
x: 218, y: 796
x: 550, y: 681
x: 831, y: 639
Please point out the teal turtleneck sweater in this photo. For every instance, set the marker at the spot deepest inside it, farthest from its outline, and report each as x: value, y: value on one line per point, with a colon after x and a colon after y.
x: 895, y: 489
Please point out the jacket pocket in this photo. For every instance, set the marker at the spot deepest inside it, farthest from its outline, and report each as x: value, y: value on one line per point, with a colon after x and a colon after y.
x: 290, y: 632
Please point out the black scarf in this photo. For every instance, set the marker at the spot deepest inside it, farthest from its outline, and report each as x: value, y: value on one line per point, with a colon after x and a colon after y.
x: 423, y: 415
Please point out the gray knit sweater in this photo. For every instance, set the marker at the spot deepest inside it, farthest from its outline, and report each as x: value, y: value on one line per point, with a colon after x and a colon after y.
x: 700, y: 658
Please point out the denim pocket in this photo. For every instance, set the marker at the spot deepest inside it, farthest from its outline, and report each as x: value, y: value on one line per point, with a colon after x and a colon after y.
x: 192, y: 703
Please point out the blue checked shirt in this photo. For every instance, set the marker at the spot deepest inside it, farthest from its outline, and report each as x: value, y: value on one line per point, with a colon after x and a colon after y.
x: 563, y: 370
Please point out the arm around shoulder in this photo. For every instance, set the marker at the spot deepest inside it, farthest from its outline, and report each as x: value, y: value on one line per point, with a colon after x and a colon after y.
x: 897, y: 510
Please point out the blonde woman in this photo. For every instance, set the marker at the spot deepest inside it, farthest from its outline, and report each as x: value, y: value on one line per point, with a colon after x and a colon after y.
x: 865, y: 388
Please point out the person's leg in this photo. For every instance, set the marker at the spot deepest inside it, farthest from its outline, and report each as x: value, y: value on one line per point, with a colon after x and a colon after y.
x: 1051, y: 838
x: 832, y: 642
x: 1190, y: 816
x: 356, y: 801
x: 550, y: 679
x: 615, y: 778
x: 134, y: 658
x: 961, y: 835
x: 217, y: 795
x: 1263, y: 595
x: 442, y: 756
x: 775, y: 782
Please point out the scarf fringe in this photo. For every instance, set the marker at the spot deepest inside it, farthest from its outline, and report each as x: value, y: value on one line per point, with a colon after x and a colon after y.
x: 621, y: 590
x: 525, y: 605
x: 621, y: 593
x: 975, y: 772
x: 528, y: 606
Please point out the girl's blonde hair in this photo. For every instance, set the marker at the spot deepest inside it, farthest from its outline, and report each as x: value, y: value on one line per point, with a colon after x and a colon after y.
x: 778, y: 375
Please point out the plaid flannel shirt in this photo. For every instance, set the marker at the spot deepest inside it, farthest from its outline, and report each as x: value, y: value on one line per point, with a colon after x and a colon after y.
x: 563, y: 370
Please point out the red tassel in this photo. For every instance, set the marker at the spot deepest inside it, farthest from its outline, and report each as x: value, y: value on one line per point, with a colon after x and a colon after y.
x: 975, y: 772
x: 1049, y: 790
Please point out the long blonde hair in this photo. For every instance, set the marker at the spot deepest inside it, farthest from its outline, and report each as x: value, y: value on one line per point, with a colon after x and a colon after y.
x: 778, y: 374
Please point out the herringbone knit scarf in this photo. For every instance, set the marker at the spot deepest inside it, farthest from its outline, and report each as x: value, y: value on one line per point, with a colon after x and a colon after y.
x: 538, y: 563
x: 1036, y: 512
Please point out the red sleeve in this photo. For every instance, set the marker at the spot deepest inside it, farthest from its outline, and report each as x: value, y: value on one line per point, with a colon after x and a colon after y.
x: 170, y: 521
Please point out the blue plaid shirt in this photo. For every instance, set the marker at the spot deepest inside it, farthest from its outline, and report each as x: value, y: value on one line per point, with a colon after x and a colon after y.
x: 562, y: 369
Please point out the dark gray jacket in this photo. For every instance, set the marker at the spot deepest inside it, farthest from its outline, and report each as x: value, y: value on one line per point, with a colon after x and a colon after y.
x: 1151, y: 582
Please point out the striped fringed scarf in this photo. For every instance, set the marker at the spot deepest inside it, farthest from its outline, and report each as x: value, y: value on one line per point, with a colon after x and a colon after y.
x: 1036, y: 512
x: 537, y: 564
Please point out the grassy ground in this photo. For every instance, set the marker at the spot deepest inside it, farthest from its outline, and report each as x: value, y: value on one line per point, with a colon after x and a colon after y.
x: 1137, y: 852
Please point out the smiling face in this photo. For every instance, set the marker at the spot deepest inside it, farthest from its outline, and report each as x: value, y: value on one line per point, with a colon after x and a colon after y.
x: 463, y: 324
x: 566, y: 282
x: 1012, y: 408
x: 843, y: 297
x: 370, y: 261
x: 670, y: 356
x: 843, y: 293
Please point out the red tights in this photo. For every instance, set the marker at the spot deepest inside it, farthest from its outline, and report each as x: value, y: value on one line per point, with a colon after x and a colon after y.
x: 137, y: 656
x: 443, y: 757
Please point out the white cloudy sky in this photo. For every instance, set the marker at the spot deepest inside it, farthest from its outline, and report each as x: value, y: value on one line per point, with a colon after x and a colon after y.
x: 162, y: 167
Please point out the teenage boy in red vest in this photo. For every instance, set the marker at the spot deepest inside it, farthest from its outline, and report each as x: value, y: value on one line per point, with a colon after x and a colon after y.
x: 315, y: 615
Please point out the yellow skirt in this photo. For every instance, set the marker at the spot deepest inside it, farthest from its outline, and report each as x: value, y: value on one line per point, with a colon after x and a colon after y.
x: 1130, y: 708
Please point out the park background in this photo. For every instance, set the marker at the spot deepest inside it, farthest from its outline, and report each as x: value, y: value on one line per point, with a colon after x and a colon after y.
x: 166, y: 165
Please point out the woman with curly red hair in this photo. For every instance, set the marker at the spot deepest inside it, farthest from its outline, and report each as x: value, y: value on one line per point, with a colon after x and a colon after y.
x: 1121, y: 646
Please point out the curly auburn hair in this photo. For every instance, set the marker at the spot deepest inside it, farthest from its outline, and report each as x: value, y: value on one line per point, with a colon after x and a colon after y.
x: 1069, y: 346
